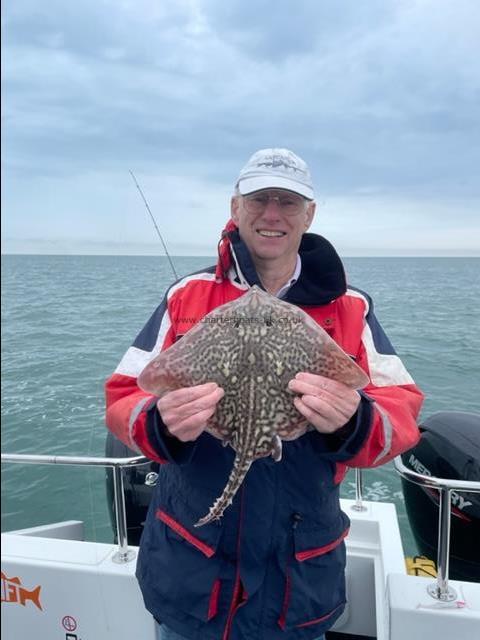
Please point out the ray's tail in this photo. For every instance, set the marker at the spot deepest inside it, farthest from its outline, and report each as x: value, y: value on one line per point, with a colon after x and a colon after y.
x: 241, y: 465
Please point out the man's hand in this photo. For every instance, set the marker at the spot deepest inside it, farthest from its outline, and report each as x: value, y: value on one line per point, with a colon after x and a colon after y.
x: 185, y: 411
x: 328, y: 405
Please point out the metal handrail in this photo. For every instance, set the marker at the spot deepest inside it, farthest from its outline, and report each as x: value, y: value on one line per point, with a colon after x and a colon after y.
x: 445, y: 486
x: 439, y: 590
x: 124, y: 554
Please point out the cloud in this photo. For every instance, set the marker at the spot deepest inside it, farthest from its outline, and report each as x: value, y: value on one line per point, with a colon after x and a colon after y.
x: 280, y: 33
x: 400, y: 226
x: 379, y: 97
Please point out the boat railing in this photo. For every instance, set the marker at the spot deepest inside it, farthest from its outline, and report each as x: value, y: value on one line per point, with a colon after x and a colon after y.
x: 440, y: 590
x: 124, y: 554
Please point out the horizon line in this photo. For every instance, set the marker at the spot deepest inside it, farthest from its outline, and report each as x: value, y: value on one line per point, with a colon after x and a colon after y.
x: 154, y: 255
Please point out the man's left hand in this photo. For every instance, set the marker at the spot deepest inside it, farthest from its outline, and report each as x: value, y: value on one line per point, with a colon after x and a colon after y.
x: 327, y: 404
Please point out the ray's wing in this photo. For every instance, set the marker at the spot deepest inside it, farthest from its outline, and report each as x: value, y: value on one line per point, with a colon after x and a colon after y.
x: 207, y: 353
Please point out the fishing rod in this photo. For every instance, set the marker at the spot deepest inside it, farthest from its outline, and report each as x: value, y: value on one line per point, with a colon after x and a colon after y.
x: 154, y: 223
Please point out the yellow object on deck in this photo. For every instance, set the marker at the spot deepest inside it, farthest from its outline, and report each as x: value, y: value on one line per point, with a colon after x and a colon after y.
x: 421, y: 566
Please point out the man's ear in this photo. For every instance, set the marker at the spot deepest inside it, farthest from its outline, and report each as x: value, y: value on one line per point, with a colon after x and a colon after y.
x: 234, y: 205
x: 310, y: 214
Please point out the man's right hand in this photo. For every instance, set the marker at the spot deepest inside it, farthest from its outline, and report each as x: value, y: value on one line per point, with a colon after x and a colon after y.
x: 185, y: 411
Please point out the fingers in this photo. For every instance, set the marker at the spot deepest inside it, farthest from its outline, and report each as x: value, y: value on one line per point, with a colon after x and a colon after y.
x: 320, y: 382
x: 190, y: 428
x: 186, y: 411
x: 319, y: 420
x: 329, y: 392
x: 326, y: 404
x: 189, y: 400
x: 187, y: 394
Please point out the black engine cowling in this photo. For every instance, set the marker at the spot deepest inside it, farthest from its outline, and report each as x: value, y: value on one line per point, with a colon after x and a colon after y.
x: 449, y: 448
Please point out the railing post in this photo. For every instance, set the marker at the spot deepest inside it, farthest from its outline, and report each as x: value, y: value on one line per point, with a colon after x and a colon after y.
x: 440, y: 590
x: 358, y: 506
x: 124, y: 554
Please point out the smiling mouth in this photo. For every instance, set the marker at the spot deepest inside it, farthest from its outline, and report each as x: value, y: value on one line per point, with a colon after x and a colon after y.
x: 271, y: 234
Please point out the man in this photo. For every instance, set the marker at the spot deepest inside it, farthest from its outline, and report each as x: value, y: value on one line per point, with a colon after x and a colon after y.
x: 273, y: 567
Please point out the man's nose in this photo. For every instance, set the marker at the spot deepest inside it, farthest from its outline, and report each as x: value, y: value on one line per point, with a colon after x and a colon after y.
x: 273, y: 207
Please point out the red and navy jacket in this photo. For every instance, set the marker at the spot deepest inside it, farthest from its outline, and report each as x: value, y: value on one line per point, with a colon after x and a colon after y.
x: 273, y: 566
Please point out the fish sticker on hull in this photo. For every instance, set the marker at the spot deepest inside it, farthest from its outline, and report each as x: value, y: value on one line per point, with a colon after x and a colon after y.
x: 14, y: 591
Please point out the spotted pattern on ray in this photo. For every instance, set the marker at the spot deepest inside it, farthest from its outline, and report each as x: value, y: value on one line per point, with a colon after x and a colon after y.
x: 251, y: 347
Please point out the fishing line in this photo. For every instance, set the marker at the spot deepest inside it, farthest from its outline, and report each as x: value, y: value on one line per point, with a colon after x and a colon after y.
x: 155, y: 223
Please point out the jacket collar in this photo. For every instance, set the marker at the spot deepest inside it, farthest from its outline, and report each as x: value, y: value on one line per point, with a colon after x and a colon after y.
x: 321, y: 280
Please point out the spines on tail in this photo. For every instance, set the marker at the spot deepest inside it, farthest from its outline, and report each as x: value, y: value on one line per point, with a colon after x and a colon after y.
x: 241, y: 465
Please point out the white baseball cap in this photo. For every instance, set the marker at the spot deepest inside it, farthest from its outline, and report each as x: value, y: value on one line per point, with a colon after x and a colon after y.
x: 276, y: 168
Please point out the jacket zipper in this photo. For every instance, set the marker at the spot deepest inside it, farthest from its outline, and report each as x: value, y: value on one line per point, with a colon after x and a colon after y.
x: 282, y: 620
x: 238, y: 588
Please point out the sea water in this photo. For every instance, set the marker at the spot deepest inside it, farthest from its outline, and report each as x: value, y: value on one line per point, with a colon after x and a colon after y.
x: 67, y: 320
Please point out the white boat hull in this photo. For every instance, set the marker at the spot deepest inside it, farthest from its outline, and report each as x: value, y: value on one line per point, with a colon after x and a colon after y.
x: 85, y: 595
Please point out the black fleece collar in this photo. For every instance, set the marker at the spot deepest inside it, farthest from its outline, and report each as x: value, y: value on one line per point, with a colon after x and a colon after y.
x: 321, y: 280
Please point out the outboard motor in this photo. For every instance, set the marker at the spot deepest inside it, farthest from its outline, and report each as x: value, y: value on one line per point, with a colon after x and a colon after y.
x: 138, y: 488
x: 449, y: 448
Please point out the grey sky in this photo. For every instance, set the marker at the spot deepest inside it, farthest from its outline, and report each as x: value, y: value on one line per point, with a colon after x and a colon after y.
x: 380, y: 97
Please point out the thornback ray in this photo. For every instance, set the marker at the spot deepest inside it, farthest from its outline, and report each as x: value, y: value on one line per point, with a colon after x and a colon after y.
x: 251, y: 347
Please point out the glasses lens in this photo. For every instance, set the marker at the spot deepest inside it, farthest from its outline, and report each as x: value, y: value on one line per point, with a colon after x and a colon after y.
x: 289, y: 204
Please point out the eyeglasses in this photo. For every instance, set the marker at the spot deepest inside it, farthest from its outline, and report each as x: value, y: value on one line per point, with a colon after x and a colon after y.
x: 289, y: 203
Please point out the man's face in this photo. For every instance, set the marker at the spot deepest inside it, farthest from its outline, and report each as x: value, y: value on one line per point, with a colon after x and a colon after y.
x: 271, y: 222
